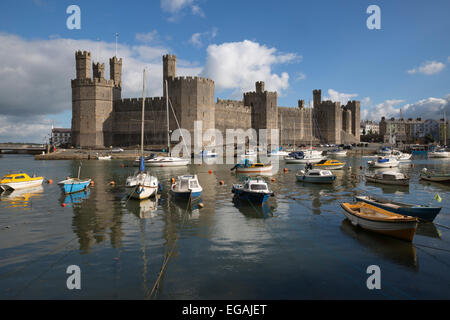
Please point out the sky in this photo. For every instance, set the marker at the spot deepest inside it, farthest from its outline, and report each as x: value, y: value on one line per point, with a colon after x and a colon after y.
x: 293, y: 46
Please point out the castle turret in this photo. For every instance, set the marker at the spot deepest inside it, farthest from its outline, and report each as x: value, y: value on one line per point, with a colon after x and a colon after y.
x: 98, y: 70
x: 317, y: 97
x: 83, y: 64
x: 259, y: 86
x: 115, y: 71
x: 169, y: 67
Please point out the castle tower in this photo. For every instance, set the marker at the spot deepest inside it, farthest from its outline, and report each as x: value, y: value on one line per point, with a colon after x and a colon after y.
x: 317, y: 97
x: 264, y: 109
x: 83, y: 64
x: 92, y: 104
x: 115, y: 71
x: 98, y: 70
x: 355, y: 107
x: 169, y: 67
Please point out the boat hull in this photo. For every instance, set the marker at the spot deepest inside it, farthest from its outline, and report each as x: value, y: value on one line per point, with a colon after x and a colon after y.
x: 423, y: 213
x: 21, y: 185
x: 141, y: 192
x: 166, y: 163
x: 253, y: 197
x: 404, y: 230
x: 72, y: 187
x: 336, y: 167
x: 266, y: 169
x: 398, y: 182
x: 316, y: 179
x: 435, y: 178
x: 186, y: 194
x: 303, y: 161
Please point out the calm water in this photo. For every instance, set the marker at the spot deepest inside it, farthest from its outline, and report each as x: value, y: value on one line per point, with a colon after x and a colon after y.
x: 297, y: 246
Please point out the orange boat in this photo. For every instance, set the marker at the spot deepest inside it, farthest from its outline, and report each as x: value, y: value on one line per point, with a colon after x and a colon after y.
x: 381, y: 221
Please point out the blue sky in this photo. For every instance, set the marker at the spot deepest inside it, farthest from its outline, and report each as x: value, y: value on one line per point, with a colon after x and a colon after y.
x: 296, y: 46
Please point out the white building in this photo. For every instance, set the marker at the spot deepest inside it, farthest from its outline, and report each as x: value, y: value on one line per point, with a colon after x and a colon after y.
x: 61, y: 136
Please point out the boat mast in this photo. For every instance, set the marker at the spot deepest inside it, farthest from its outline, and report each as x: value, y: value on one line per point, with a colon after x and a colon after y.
x: 294, y: 134
x: 445, y: 131
x: 310, y: 124
x: 168, y: 130
x: 142, y: 120
x: 281, y: 132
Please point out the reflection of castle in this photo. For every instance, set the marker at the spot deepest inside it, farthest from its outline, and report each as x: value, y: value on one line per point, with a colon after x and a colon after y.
x: 100, y: 117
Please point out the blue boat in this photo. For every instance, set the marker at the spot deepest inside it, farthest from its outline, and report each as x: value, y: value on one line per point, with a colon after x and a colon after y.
x: 186, y: 187
x: 76, y: 198
x: 74, y: 185
x: 254, y: 190
x: 425, y: 213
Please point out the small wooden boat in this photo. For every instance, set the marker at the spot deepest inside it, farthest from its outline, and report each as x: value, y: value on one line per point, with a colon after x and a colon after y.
x: 248, y: 167
x: 300, y: 157
x: 72, y: 185
x: 383, y: 162
x: 389, y: 177
x: 375, y: 219
x: 186, y: 187
x: 422, y: 212
x: 433, y: 176
x: 254, y: 190
x: 329, y: 165
x: 315, y: 176
x: 20, y: 180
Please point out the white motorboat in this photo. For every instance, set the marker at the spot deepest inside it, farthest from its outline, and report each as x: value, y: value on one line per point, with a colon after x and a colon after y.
x: 186, y: 187
x: 439, y: 153
x: 383, y: 162
x: 142, y: 184
x: 300, y: 157
x: 400, y: 156
x: 385, y: 151
x: 278, y: 153
x: 389, y: 177
x: 315, y: 176
x: 103, y: 157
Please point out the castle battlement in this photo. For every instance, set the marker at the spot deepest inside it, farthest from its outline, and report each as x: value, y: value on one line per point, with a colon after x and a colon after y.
x: 82, y: 54
x: 115, y: 60
x: 190, y: 79
x: 92, y: 82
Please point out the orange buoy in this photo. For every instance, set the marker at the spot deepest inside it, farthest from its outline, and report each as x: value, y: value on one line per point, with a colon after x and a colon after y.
x: 209, y: 171
x: 92, y: 183
x: 173, y: 180
x: 273, y: 179
x: 63, y: 205
x: 221, y: 182
x: 112, y: 183
x: 49, y: 181
x: 201, y: 205
x: 285, y: 170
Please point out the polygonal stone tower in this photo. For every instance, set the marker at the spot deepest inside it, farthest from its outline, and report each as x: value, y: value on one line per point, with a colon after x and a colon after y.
x: 169, y: 67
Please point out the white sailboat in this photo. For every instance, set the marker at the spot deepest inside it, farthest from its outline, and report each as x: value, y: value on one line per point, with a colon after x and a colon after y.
x: 168, y: 161
x: 142, y: 184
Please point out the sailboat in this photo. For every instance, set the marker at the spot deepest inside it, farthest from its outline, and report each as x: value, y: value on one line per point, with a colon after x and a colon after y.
x: 142, y: 184
x: 280, y: 151
x: 168, y: 161
x: 306, y: 155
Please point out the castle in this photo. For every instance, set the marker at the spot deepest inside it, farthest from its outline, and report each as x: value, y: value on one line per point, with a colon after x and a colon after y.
x: 102, y: 118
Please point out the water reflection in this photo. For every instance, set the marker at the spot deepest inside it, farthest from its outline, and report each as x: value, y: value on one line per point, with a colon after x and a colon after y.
x: 254, y: 211
x: 397, y: 251
x: 389, y: 189
x: 143, y: 209
x: 428, y: 229
x: 75, y: 198
x: 22, y: 198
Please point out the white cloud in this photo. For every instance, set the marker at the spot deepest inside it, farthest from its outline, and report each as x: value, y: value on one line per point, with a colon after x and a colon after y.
x: 238, y: 65
x: 343, y: 98
x: 35, y: 74
x: 428, y: 68
x: 196, y: 38
x: 175, y: 7
x: 148, y: 37
x: 300, y: 76
x: 24, y: 129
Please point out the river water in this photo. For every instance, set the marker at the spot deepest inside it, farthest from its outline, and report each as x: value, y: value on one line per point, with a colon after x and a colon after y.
x: 296, y: 246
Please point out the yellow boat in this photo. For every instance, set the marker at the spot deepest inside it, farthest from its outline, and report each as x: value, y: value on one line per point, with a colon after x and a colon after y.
x: 329, y: 165
x: 258, y: 168
x: 382, y: 221
x: 21, y: 180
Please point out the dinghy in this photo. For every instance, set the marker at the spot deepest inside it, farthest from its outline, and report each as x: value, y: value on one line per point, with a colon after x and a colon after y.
x: 422, y: 212
x: 433, y: 176
x: 254, y: 190
x: 315, y: 176
x: 186, y: 187
x: 389, y: 177
x: 375, y: 219
x: 253, y: 168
